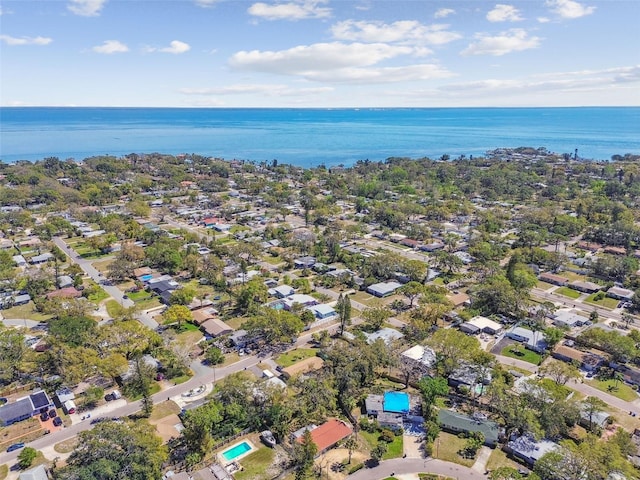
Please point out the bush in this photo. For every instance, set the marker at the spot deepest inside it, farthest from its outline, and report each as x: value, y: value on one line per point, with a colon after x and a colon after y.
x: 26, y: 457
x: 428, y: 449
x: 355, y: 468
x: 387, y: 435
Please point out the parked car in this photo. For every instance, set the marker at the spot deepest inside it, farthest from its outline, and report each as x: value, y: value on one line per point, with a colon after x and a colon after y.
x: 53, y: 413
x: 57, y: 421
x: 15, y: 446
x: 44, y: 416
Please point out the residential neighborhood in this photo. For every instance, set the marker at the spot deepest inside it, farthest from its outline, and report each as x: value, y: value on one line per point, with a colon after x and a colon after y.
x: 257, y: 321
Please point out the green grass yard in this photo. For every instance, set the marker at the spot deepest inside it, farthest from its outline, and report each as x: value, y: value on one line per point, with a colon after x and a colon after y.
x: 255, y: 465
x: 621, y: 390
x: 605, y: 302
x: 447, y: 446
x: 568, y: 292
x: 27, y: 311
x: 521, y: 353
x: 294, y: 356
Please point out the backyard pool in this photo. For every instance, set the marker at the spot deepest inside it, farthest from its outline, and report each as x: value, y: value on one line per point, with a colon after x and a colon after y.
x: 397, y: 402
x: 146, y: 278
x: 238, y: 450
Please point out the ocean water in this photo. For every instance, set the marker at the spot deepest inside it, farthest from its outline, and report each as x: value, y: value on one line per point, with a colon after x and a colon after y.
x: 310, y: 137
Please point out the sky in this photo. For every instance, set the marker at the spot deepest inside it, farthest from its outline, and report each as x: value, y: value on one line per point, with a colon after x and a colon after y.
x: 320, y: 53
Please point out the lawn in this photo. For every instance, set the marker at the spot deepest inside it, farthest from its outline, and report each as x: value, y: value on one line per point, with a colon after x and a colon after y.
x: 164, y: 409
x: 99, y: 296
x: 568, y: 292
x: 113, y: 308
x: 4, y: 471
x: 499, y: 459
x: 605, y: 302
x: 446, y: 448
x: 395, y: 449
x: 362, y: 297
x: 255, y: 465
x: 27, y: 311
x: 521, y: 353
x: 289, y: 358
x: 621, y: 390
x: 140, y: 295
x: 66, y: 446
x: 102, y: 266
x: 153, y: 389
x: 544, y: 285
x: 272, y: 260
x: 190, y: 336
x: 25, y: 431
x: 236, y: 322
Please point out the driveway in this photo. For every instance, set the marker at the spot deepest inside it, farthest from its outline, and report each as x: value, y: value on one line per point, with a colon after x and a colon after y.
x: 413, y: 465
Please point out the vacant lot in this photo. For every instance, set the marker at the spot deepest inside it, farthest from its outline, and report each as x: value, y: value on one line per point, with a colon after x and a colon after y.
x: 294, y: 356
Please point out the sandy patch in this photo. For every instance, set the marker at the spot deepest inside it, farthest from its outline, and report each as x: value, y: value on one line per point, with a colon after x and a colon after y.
x: 331, y: 459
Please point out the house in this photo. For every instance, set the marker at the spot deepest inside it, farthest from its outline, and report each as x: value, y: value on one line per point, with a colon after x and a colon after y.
x: 585, y: 287
x: 420, y: 355
x: 304, y: 262
x: 146, y: 359
x: 19, y: 260
x: 387, y: 335
x: 591, y: 247
x: 532, y: 340
x: 553, y: 279
x: 374, y: 404
x: 22, y: 299
x: 394, y: 421
x: 216, y: 327
x: 299, y: 298
x: 481, y: 324
x: 282, y: 291
x: 238, y: 338
x: 63, y: 395
x: 432, y: 247
x: 69, y: 292
x: 620, y: 293
x: 568, y: 318
x: 459, y: 299
x: 408, y: 242
x: 455, y: 422
x: 35, y: 473
x: 24, y: 408
x: 469, y: 375
x: 383, y: 289
x: 328, y: 434
x: 529, y: 450
x: 589, y: 361
x: 322, y: 311
x: 65, y: 281
x: 39, y: 259
x: 308, y: 365
x: 203, y: 314
x: 615, y: 250
x: 595, y: 419
x: 464, y: 257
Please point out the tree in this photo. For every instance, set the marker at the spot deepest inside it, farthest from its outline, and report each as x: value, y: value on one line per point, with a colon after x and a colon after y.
x: 182, y: 296
x: 592, y: 406
x: 115, y: 450
x: 452, y: 348
x: 560, y: 372
x: 177, y: 314
x: 505, y: 473
x: 552, y: 335
x: 411, y: 290
x: 343, y: 307
x: 26, y: 457
x: 214, y: 355
x: 375, y: 316
x: 275, y: 326
x: 304, y: 453
x: 431, y: 388
x: 74, y: 331
x: 350, y: 444
x: 378, y: 451
x: 12, y: 351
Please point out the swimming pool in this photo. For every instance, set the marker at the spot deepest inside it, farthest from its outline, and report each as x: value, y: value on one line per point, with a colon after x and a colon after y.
x: 397, y: 402
x: 146, y: 277
x: 239, y: 450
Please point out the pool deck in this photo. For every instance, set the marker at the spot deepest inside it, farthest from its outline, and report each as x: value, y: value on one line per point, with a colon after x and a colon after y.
x: 226, y: 462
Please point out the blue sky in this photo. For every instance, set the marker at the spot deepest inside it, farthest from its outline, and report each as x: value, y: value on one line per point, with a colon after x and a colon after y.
x: 319, y: 53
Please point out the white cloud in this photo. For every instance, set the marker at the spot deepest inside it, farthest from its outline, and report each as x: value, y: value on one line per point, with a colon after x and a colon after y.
x: 175, y: 47
x: 444, y: 12
x: 9, y: 40
x: 543, y: 20
x: 111, y: 46
x: 206, y: 3
x: 361, y: 76
x: 504, y: 13
x: 403, y: 31
x: 569, y: 9
x: 514, y: 40
x: 86, y: 8
x: 275, y: 90
x: 292, y: 10
x: 319, y: 56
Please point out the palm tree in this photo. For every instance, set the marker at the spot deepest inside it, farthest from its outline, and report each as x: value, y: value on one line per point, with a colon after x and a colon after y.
x: 617, y: 378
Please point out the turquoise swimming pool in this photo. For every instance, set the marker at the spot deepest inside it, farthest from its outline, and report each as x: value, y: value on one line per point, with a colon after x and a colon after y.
x: 236, y: 451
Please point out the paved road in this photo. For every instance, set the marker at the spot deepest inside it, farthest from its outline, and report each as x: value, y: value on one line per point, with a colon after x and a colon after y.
x: 97, y: 277
x: 399, y: 466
